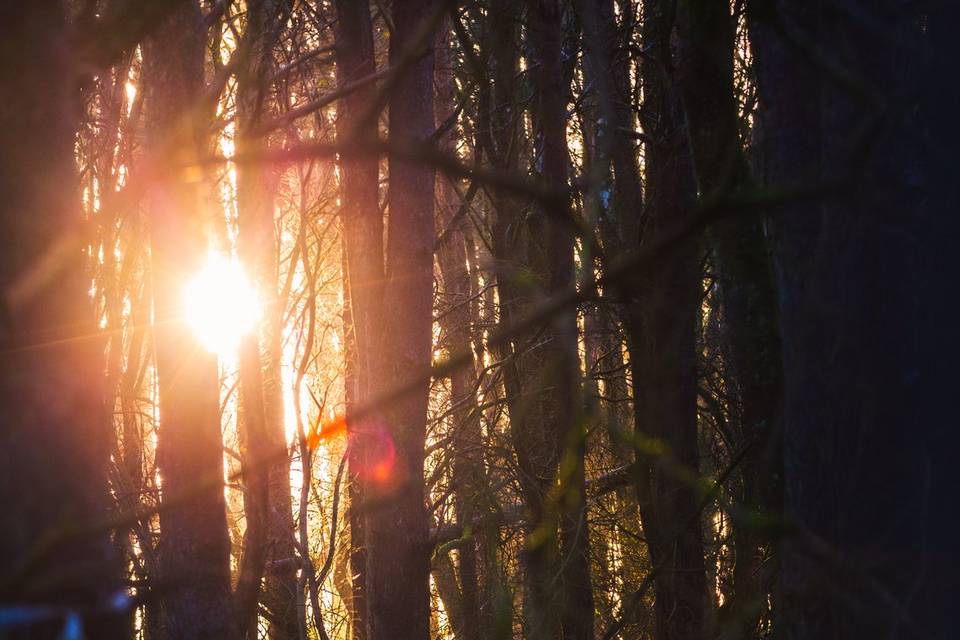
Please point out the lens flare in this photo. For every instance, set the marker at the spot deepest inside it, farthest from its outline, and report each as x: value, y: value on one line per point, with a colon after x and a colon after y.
x: 221, y: 305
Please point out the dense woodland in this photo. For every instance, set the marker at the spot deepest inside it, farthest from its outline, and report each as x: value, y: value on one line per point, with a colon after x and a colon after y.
x: 541, y: 319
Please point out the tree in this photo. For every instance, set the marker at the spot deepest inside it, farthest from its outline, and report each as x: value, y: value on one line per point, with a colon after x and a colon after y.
x: 194, y: 547
x: 267, y: 502
x: 862, y: 428
x: 627, y: 310
x: 740, y: 254
x: 362, y: 229
x: 472, y: 492
x: 397, y: 529
x: 558, y: 412
x: 54, y: 436
x: 534, y: 253
x: 614, y: 206
x: 663, y: 357
x: 390, y: 447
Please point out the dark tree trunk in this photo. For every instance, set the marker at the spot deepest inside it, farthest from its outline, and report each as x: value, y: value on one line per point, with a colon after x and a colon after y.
x: 362, y: 228
x: 455, y: 309
x: 387, y: 450
x: 705, y: 78
x: 940, y: 129
x: 542, y: 379
x: 267, y: 501
x: 450, y: 594
x: 528, y: 373
x: 559, y: 412
x: 55, y: 432
x: 194, y: 548
x: 607, y: 67
x: 866, y: 330
x: 616, y: 199
x: 497, y: 140
x: 663, y: 357
x: 398, y: 554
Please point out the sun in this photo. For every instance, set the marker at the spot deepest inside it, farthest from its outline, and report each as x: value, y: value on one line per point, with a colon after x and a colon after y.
x: 221, y: 305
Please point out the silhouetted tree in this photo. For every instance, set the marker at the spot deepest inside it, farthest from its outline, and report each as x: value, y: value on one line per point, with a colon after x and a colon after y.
x: 194, y: 581
x: 844, y: 139
x: 56, y: 561
x: 269, y: 533
x: 664, y: 357
x: 705, y: 77
x: 362, y: 228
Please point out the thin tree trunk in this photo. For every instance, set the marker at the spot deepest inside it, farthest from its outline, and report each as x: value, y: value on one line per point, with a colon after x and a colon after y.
x: 498, y: 120
x: 562, y: 405
x: 362, y: 226
x: 468, y: 472
x: 705, y: 78
x: 351, y: 585
x: 267, y: 500
x: 194, y: 548
x: 448, y: 588
x: 542, y: 380
x: 617, y: 197
x: 606, y: 67
x: 536, y: 445
x: 617, y: 424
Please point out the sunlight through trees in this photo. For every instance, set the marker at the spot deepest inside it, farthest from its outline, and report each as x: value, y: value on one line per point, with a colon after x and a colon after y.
x: 477, y: 319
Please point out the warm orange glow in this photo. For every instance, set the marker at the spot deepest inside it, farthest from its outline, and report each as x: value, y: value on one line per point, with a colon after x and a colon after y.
x: 326, y: 431
x: 381, y: 471
x: 221, y: 305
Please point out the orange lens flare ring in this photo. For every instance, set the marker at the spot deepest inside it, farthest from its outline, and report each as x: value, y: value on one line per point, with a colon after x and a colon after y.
x: 382, y: 453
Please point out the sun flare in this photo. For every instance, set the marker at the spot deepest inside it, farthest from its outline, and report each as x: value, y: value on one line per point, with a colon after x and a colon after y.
x: 221, y: 305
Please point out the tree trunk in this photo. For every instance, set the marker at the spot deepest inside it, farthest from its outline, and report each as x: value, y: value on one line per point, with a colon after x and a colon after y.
x: 466, y: 437
x: 398, y: 554
x: 616, y: 198
x: 561, y: 408
x: 664, y: 357
x: 542, y: 381
x: 705, y: 78
x: 607, y: 68
x: 536, y: 439
x: 194, y: 547
x: 55, y: 433
x: 448, y: 589
x: 267, y: 501
x: 362, y: 228
x: 865, y: 334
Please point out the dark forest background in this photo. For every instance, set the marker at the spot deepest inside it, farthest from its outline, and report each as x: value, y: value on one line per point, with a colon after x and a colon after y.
x: 579, y: 319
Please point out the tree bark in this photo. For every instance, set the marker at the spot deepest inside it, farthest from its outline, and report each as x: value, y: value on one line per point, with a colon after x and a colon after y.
x: 55, y: 432
x: 397, y: 528
x: 542, y: 380
x: 664, y: 356
x: 615, y: 201
x: 536, y: 443
x: 362, y: 228
x: 267, y: 500
x: 859, y: 264
x: 705, y: 79
x: 194, y: 547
